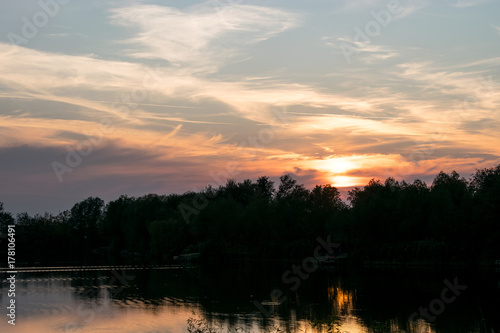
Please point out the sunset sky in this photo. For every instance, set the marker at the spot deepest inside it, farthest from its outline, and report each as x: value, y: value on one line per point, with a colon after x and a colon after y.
x: 103, y: 98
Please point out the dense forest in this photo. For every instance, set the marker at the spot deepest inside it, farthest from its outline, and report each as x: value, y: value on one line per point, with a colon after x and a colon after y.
x: 452, y: 220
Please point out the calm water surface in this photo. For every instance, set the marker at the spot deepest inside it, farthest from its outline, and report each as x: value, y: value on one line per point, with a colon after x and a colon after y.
x: 246, y: 299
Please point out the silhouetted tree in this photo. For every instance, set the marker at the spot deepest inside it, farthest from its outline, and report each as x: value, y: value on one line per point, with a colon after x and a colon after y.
x: 265, y: 188
x: 485, y: 187
x: 5, y: 219
x: 450, y: 207
x: 326, y: 199
x: 114, y: 225
x: 84, y: 218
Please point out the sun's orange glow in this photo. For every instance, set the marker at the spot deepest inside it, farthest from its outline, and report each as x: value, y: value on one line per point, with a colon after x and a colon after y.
x: 339, y: 165
x: 346, y: 181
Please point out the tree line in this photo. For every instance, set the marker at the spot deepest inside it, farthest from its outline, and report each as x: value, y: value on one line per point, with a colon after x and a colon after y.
x: 452, y: 220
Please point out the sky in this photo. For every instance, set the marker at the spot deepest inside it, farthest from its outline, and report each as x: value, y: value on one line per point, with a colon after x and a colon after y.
x: 104, y: 98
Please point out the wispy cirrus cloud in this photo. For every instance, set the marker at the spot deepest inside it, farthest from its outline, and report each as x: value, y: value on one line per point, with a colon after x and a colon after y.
x: 401, y: 8
x: 497, y: 29
x: 462, y: 83
x: 366, y: 50
x: 202, y: 37
x: 84, y: 81
x: 411, y: 7
x: 469, y: 3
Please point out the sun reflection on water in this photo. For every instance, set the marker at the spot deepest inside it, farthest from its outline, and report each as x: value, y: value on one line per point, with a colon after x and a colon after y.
x: 163, y: 302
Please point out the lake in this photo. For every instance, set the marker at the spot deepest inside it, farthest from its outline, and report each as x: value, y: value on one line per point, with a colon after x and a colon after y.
x: 163, y: 299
